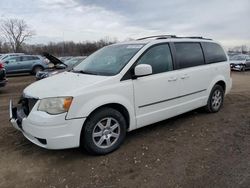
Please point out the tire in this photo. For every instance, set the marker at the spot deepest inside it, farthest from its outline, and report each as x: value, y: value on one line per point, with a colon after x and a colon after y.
x: 104, y: 131
x: 36, y: 69
x: 215, y: 100
x: 242, y: 68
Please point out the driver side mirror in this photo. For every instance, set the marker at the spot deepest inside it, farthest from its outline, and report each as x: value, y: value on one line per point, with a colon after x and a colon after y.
x: 6, y: 62
x: 143, y: 70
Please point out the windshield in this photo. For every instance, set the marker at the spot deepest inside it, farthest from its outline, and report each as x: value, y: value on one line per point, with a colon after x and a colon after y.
x: 109, y: 60
x: 239, y: 57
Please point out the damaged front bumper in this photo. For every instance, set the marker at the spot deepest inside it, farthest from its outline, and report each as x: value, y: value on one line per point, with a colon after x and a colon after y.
x: 45, y: 130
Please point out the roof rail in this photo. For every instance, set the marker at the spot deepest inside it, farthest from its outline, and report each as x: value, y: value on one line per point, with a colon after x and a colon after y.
x: 172, y: 36
x: 196, y: 37
x: 158, y: 37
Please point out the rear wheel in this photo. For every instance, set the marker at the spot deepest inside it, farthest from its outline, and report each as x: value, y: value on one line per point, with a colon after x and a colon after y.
x: 104, y: 131
x: 215, y: 100
x: 36, y: 69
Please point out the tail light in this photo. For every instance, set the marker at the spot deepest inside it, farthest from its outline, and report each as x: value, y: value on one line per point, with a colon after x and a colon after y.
x: 1, y: 66
x: 46, y: 61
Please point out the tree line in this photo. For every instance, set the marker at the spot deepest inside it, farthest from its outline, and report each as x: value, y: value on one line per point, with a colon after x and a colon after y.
x: 15, y: 33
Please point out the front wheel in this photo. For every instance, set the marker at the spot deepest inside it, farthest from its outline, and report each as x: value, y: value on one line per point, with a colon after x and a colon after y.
x: 243, y: 68
x: 36, y: 69
x: 104, y: 131
x: 215, y: 100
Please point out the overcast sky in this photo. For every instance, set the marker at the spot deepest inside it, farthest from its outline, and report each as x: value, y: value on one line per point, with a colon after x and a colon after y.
x: 80, y: 20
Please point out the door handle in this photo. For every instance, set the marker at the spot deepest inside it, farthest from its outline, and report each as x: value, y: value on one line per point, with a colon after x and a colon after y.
x: 172, y: 79
x: 184, y: 76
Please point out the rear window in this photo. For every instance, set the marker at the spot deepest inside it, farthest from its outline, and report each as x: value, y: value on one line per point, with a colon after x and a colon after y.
x: 189, y: 54
x: 213, y: 52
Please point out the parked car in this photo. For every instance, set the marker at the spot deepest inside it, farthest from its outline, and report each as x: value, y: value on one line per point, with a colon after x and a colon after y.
x: 24, y: 64
x: 59, y: 66
x: 5, y: 56
x: 3, y: 79
x: 240, y: 62
x: 120, y: 88
x: 65, y: 58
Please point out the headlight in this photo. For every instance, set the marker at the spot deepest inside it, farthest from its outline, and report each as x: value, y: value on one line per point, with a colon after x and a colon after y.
x: 54, y: 72
x: 55, y: 105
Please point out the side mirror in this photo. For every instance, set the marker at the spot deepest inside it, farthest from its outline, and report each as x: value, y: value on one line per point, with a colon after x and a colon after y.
x: 143, y: 70
x: 60, y: 66
x: 6, y: 62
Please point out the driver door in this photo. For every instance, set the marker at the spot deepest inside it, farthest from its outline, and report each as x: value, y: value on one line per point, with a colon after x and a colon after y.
x: 153, y: 94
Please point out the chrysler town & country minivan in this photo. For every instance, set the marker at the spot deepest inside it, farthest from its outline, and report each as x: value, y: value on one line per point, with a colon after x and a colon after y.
x: 120, y: 88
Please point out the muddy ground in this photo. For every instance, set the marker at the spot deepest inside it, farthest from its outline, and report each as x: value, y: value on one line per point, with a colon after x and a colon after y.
x: 192, y: 150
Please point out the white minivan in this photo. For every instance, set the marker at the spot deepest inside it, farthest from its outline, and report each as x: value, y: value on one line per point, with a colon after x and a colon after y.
x: 120, y: 88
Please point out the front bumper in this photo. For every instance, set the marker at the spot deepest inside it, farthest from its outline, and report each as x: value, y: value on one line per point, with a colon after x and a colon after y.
x: 236, y: 66
x: 3, y: 82
x: 41, y: 75
x: 47, y: 131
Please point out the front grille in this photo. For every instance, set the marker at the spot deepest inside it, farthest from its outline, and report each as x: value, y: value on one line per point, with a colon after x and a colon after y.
x: 26, y: 104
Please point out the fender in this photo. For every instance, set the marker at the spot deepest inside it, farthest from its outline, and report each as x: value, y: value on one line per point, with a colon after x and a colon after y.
x: 96, y: 102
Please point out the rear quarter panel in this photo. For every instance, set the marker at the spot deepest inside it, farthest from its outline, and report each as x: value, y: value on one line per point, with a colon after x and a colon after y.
x: 220, y: 72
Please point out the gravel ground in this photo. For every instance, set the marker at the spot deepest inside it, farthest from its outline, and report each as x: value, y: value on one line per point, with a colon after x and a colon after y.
x: 195, y: 149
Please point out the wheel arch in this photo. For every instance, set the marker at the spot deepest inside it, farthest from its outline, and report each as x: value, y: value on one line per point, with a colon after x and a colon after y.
x: 119, y: 107
x: 222, y: 84
x: 220, y: 80
x: 36, y: 65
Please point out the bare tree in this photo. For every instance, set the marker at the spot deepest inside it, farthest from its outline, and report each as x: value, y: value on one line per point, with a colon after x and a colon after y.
x: 16, y: 32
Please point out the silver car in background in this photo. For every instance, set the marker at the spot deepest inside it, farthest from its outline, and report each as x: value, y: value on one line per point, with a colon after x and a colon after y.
x: 240, y: 62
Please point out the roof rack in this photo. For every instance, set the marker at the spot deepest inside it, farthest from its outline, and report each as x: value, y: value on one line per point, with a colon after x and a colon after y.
x: 196, y: 37
x: 157, y: 37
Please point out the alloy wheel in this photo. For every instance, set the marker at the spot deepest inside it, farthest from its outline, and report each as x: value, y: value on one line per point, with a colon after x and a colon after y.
x: 216, y: 99
x: 106, y: 132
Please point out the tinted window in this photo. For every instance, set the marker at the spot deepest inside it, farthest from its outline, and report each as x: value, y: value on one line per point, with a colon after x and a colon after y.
x: 214, y: 52
x: 159, y: 57
x: 189, y: 54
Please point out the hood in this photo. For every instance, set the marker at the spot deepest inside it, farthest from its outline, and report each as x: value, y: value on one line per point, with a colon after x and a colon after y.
x: 237, y: 61
x: 63, y: 84
x: 53, y: 59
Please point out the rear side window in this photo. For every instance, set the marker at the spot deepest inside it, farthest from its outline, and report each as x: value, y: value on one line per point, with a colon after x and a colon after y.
x: 189, y: 54
x: 14, y: 59
x: 213, y: 52
x: 29, y: 58
x: 35, y: 58
x: 159, y: 57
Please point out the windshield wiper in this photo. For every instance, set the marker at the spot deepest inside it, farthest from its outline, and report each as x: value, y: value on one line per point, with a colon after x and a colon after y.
x: 83, y: 72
